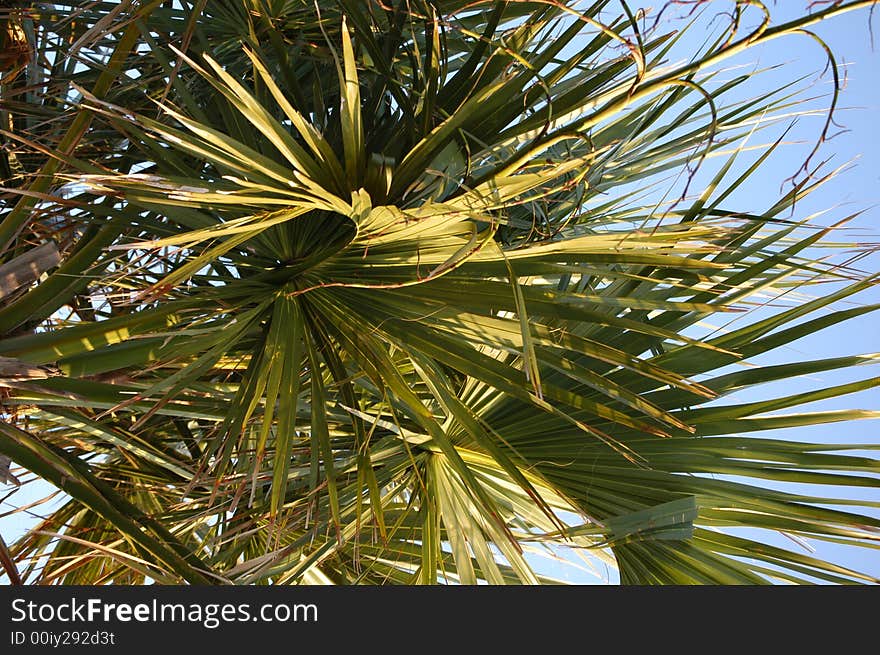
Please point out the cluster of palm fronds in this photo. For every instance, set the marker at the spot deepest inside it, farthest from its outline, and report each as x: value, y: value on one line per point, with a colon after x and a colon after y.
x: 381, y: 292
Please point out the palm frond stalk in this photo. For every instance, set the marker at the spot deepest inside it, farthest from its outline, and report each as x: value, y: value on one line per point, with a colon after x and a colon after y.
x: 407, y: 292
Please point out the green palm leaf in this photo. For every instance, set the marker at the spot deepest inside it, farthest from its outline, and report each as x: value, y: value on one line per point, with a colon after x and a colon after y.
x: 365, y: 293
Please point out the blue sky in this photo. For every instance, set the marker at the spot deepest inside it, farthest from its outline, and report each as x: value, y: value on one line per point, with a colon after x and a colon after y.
x: 857, y: 188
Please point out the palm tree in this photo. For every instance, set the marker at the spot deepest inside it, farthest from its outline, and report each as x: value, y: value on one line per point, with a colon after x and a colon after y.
x: 398, y: 292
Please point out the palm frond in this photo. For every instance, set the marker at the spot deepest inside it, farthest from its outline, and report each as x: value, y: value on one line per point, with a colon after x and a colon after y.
x: 398, y: 293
